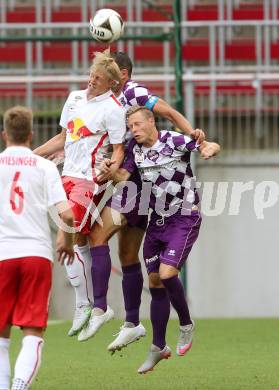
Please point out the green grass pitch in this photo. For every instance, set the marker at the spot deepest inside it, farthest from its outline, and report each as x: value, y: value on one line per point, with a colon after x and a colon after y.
x: 226, y: 355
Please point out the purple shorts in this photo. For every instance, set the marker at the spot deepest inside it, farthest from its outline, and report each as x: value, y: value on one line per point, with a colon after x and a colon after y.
x: 126, y: 200
x: 170, y: 242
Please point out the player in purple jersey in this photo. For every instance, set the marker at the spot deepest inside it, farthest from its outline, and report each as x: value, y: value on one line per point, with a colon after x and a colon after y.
x: 130, y: 93
x: 133, y: 225
x: 163, y: 161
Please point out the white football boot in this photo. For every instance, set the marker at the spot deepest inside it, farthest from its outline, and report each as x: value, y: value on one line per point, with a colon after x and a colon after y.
x: 154, y: 356
x: 185, y: 339
x: 81, y: 317
x: 127, y: 335
x: 96, y: 321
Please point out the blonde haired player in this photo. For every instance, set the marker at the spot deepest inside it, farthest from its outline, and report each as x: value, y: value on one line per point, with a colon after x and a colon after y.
x: 29, y: 185
x: 93, y: 122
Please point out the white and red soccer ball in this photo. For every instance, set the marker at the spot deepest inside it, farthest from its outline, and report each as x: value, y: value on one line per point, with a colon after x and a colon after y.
x: 106, y: 26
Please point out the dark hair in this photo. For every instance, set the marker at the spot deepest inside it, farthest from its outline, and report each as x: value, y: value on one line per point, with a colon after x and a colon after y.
x: 123, y: 61
x: 18, y: 122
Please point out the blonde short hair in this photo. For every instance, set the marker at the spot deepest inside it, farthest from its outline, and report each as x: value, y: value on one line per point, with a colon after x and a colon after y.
x: 144, y: 110
x: 18, y: 123
x: 104, y: 61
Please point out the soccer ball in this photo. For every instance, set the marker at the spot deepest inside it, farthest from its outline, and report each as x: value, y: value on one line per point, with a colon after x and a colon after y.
x: 106, y: 25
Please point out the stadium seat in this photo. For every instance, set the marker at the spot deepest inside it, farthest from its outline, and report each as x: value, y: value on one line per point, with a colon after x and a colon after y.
x: 192, y: 50
x: 251, y: 11
x: 202, y: 11
x: 70, y: 13
x: 195, y: 50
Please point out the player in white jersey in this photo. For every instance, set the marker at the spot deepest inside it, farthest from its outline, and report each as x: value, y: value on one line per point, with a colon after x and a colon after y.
x: 94, y: 126
x: 29, y: 186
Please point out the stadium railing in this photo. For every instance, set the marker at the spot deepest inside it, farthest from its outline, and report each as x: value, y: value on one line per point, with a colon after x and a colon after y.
x: 238, y: 110
x: 47, y: 48
x: 133, y: 10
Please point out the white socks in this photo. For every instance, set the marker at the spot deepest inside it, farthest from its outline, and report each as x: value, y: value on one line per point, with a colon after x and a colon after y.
x: 5, y: 368
x: 28, y: 362
x: 79, y: 274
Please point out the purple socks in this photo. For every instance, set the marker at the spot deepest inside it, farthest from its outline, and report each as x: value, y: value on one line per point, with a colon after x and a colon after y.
x: 176, y: 295
x: 101, y: 268
x: 132, y: 284
x: 159, y: 314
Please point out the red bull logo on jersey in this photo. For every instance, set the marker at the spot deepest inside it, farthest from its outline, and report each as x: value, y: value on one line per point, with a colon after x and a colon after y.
x: 77, y: 129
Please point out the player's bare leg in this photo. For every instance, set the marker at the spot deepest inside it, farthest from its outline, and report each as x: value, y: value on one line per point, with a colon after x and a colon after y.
x: 79, y: 275
x: 129, y: 239
x: 169, y: 278
x: 159, y: 315
x: 101, y: 269
x: 5, y: 367
x: 29, y: 358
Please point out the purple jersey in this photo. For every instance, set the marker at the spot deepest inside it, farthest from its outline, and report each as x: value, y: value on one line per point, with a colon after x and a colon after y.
x: 166, y: 165
x: 135, y: 94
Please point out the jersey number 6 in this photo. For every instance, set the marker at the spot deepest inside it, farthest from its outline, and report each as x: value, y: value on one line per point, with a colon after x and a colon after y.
x: 16, y: 195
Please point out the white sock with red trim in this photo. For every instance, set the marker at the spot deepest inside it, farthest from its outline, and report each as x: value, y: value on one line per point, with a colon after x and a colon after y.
x: 79, y: 275
x: 84, y: 251
x: 5, y: 368
x: 28, y: 362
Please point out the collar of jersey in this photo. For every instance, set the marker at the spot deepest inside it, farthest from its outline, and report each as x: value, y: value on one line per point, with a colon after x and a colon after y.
x: 101, y: 97
x: 126, y: 84
x: 18, y: 148
x: 157, y: 143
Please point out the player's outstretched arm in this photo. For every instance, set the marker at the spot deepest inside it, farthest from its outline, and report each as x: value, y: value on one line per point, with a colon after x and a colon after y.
x: 209, y: 149
x: 55, y: 144
x: 65, y: 240
x: 163, y: 109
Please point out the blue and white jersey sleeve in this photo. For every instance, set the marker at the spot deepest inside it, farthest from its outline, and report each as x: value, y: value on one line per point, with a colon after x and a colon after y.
x: 136, y: 94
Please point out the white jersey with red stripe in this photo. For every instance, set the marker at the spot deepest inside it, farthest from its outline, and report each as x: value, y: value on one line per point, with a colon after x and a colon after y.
x: 29, y: 184
x: 92, y: 127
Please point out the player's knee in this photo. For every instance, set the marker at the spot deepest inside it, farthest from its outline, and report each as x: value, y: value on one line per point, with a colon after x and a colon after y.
x: 81, y: 239
x: 98, y: 238
x: 100, y: 235
x: 154, y: 280
x: 28, y: 331
x: 128, y: 257
x: 167, y: 271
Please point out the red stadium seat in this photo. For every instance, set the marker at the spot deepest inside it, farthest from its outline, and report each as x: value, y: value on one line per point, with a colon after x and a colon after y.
x: 73, y: 13
x: 227, y: 88
x: 193, y: 50
x: 251, y: 11
x: 22, y: 13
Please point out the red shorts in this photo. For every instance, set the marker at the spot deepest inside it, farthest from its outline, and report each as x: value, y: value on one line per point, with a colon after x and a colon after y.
x: 25, y: 285
x: 82, y: 199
